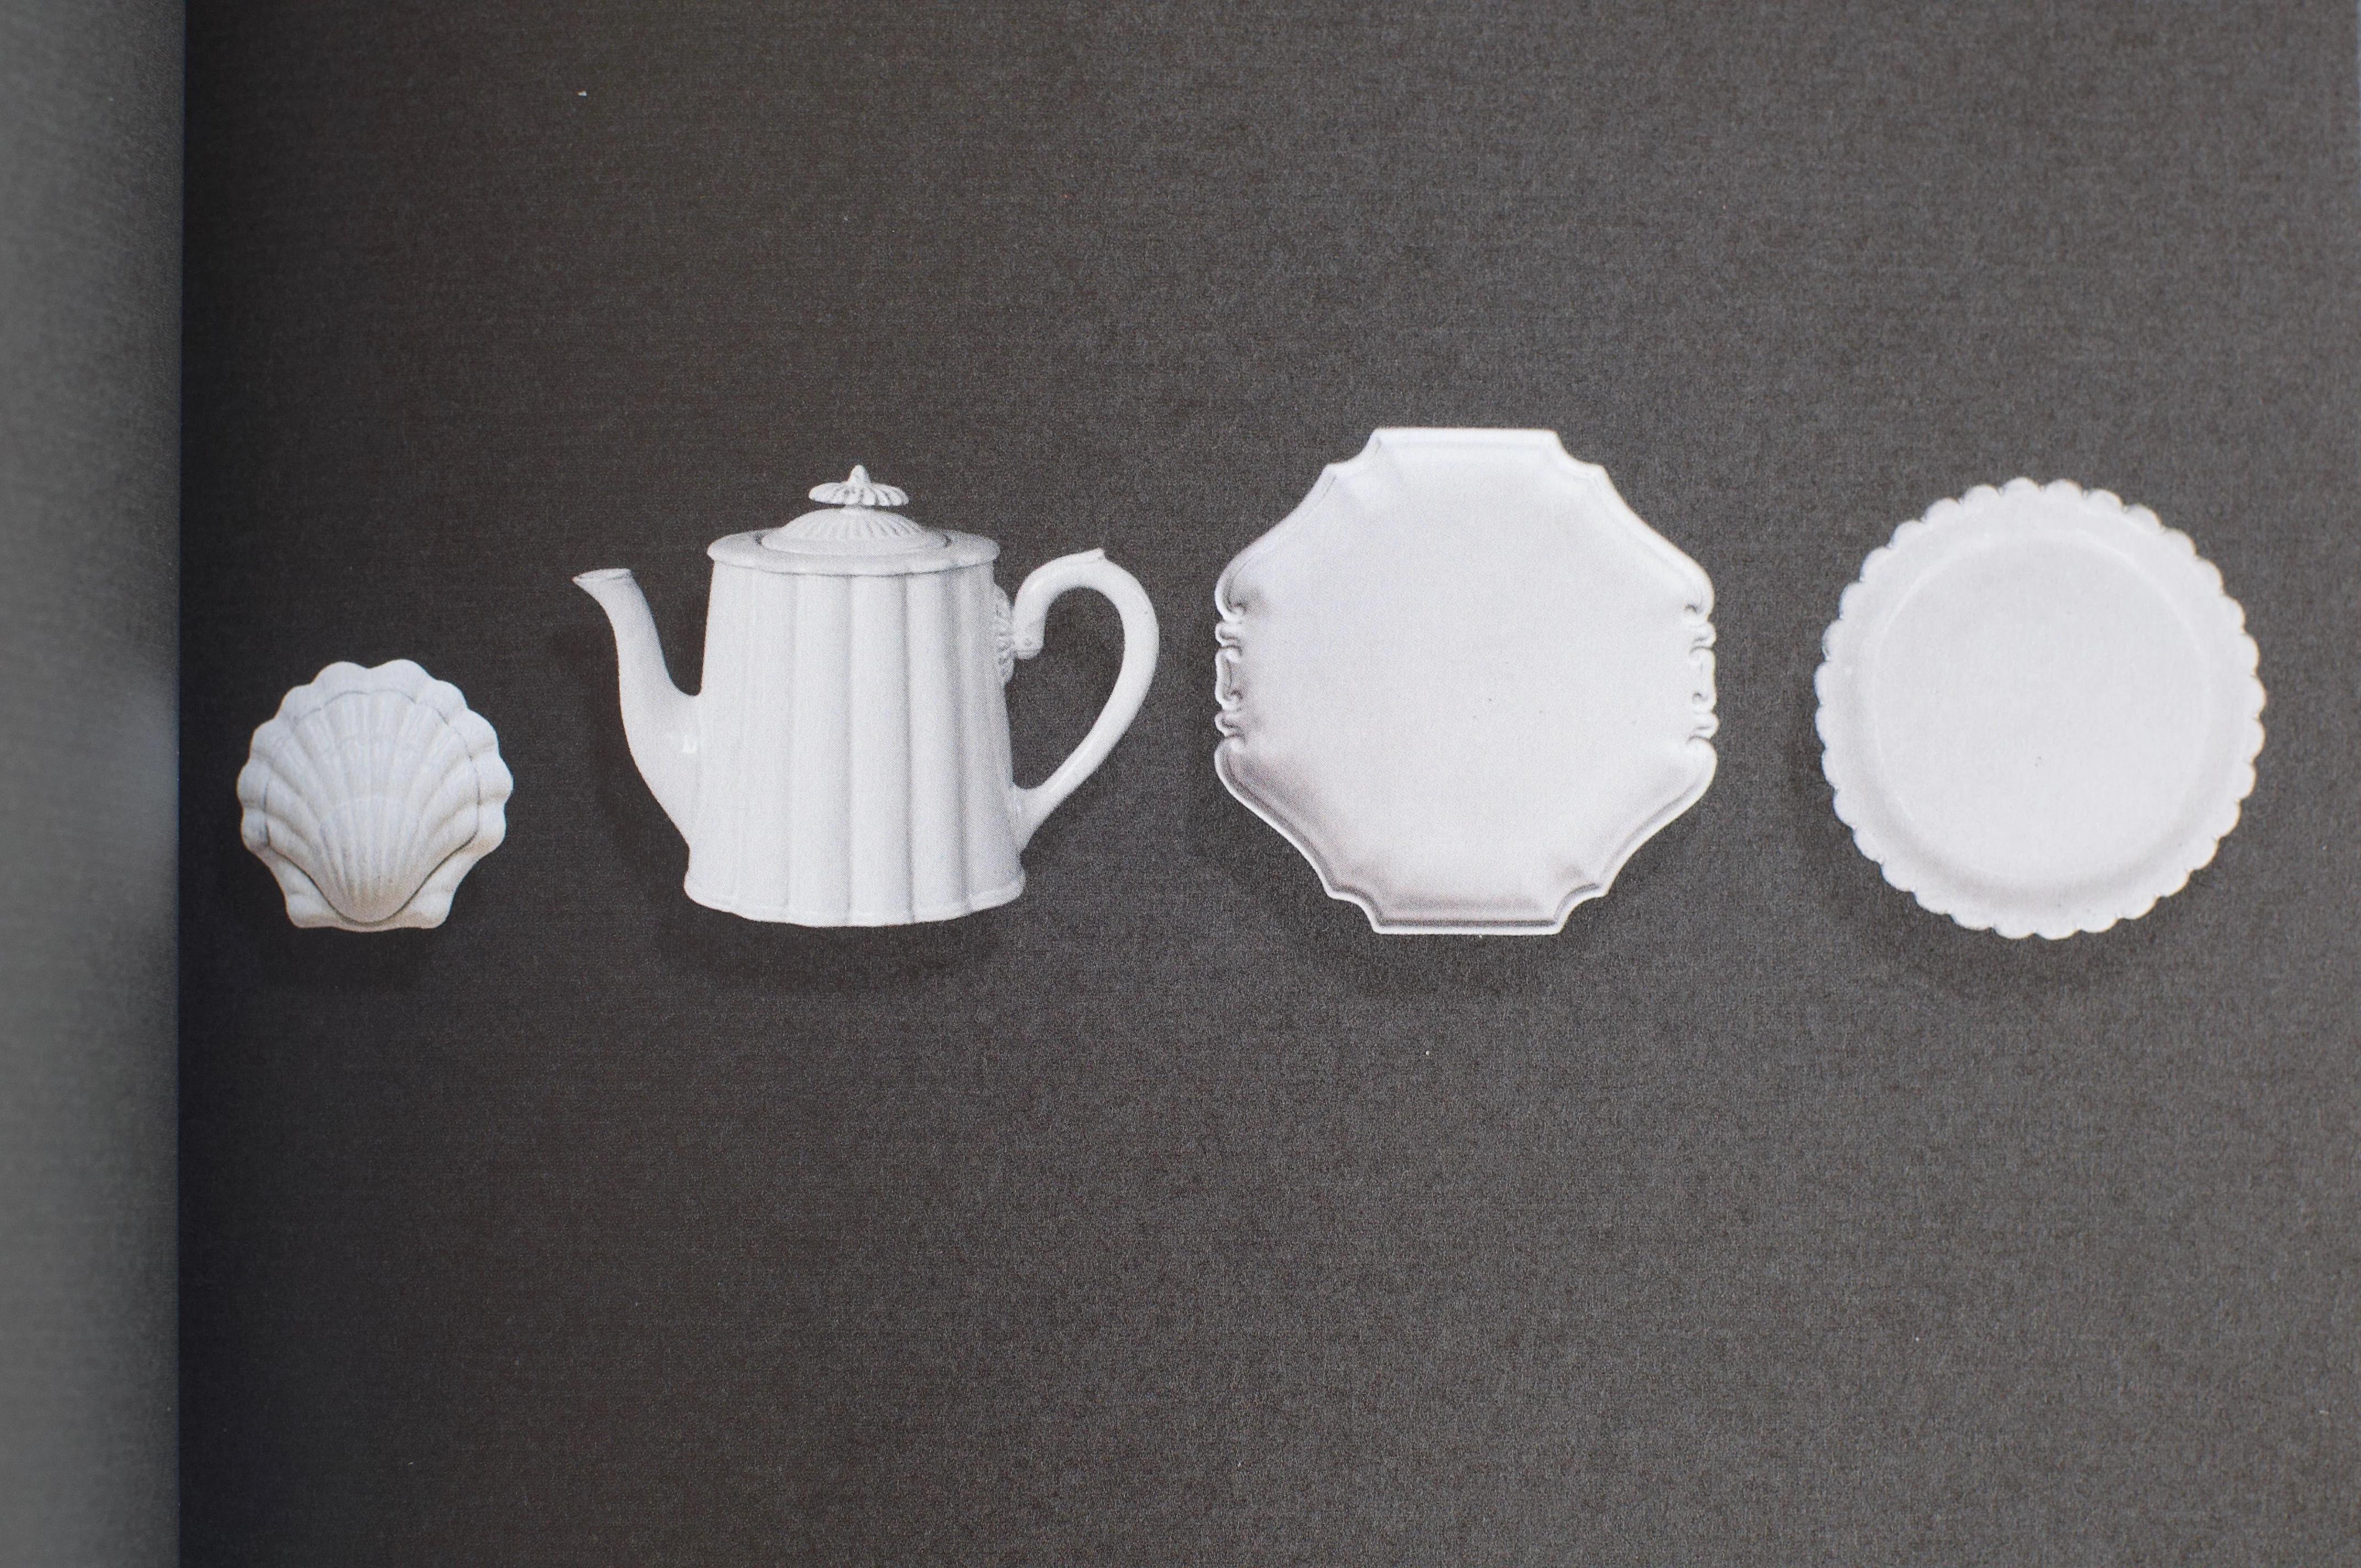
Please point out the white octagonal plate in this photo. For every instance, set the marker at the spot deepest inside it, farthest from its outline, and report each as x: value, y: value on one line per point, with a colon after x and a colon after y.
x: 1464, y: 680
x: 2038, y: 709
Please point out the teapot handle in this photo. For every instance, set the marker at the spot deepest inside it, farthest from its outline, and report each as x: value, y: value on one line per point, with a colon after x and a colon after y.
x: 1093, y: 570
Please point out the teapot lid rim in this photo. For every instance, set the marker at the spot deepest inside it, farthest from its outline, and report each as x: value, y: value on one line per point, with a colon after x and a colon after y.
x: 756, y: 550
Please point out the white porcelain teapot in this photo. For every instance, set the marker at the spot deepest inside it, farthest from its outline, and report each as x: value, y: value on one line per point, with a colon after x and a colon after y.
x: 846, y: 761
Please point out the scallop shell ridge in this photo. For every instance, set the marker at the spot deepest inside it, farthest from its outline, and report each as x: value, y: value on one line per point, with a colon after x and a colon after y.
x: 370, y: 794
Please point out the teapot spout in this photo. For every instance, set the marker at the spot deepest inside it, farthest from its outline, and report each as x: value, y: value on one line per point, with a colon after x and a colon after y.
x: 659, y: 719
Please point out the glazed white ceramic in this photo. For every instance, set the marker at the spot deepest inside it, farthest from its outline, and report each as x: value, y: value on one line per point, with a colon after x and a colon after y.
x: 845, y: 761
x: 2039, y: 710
x: 370, y: 794
x: 1464, y: 680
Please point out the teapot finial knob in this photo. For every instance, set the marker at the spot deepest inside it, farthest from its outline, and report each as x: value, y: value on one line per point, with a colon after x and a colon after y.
x: 859, y: 490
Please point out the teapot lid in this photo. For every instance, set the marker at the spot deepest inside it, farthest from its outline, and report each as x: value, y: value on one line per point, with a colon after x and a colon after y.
x: 855, y: 532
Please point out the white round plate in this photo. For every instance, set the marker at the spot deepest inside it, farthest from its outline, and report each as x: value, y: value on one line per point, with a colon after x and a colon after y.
x: 2038, y: 709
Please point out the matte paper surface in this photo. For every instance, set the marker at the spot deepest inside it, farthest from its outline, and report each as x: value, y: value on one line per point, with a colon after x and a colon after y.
x: 1169, y: 1214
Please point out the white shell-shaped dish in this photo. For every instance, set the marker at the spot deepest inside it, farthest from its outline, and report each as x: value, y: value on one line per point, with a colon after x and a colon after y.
x: 2038, y: 710
x: 370, y: 794
x: 1464, y: 680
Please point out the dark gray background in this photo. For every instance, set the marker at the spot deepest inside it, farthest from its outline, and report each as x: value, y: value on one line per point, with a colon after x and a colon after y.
x: 1167, y: 1214
x: 90, y: 293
